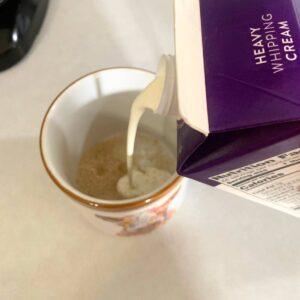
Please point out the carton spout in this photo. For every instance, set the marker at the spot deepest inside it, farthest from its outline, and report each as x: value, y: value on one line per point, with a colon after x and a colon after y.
x: 169, y: 102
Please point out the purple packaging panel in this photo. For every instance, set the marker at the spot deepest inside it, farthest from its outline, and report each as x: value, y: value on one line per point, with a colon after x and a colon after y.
x: 252, y: 79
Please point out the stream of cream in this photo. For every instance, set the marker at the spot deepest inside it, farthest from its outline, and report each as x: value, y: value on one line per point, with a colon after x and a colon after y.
x: 147, y: 99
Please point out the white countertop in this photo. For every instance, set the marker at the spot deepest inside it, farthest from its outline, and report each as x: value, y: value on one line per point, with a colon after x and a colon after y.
x: 217, y: 247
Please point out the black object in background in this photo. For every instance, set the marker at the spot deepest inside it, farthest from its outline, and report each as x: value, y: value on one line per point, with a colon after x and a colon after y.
x: 20, y: 21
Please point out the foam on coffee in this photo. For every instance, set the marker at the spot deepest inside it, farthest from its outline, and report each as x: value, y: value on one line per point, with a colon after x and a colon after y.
x: 104, y: 165
x: 142, y: 182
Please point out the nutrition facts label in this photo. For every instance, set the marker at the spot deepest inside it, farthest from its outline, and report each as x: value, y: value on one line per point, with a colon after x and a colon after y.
x: 275, y: 180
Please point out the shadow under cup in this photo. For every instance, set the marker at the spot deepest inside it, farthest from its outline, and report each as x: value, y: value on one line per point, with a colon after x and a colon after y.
x: 89, y: 110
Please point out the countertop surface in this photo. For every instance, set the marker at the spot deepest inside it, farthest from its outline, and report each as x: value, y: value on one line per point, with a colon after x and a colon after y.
x: 217, y: 247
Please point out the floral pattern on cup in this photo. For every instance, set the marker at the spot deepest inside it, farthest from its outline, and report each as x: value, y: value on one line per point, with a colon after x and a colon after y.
x: 145, y: 221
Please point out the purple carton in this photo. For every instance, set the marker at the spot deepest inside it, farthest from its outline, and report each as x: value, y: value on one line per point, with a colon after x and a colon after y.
x: 238, y: 79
